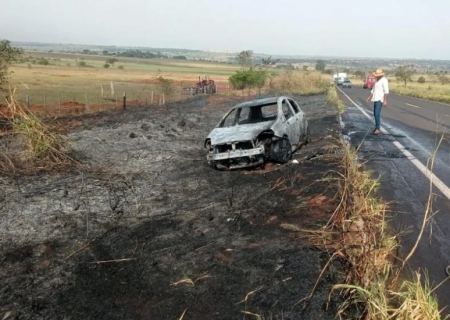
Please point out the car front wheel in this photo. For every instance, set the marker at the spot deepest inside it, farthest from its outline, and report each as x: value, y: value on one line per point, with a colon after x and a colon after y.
x: 281, y: 150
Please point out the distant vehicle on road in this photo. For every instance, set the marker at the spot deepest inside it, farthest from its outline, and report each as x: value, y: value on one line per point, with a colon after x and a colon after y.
x: 346, y: 84
x: 369, y: 83
x: 339, y: 77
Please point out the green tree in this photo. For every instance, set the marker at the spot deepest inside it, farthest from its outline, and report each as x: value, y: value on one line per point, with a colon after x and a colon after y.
x: 43, y: 61
x: 245, y: 59
x: 165, y: 86
x: 111, y: 61
x: 105, y: 52
x: 421, y: 80
x: 82, y: 63
x: 320, y: 65
x: 8, y: 56
x: 259, y: 79
x: 404, y: 73
x: 305, y: 68
x: 242, y: 79
x: 265, y: 62
x: 360, y: 74
x: 444, y: 80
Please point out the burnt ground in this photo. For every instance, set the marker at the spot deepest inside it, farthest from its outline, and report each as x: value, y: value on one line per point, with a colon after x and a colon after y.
x: 144, y: 229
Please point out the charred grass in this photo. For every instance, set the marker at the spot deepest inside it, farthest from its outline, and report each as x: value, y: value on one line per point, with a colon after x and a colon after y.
x: 145, y: 229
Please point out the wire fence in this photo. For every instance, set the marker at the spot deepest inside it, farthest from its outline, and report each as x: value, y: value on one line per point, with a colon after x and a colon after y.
x: 108, y: 97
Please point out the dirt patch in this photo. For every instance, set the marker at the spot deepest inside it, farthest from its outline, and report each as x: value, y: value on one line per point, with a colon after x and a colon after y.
x: 146, y: 230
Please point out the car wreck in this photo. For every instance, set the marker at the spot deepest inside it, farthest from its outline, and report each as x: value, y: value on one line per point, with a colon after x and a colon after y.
x: 257, y: 131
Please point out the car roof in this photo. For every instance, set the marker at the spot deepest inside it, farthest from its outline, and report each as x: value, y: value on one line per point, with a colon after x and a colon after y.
x: 259, y: 102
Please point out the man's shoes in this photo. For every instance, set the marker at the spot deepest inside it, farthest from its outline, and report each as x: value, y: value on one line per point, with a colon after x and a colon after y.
x: 376, y: 131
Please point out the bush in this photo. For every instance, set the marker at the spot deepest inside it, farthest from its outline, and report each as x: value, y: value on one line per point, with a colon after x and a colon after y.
x: 82, y: 63
x: 121, y: 67
x: 43, y: 61
x: 106, y: 65
x: 421, y: 80
x: 165, y: 86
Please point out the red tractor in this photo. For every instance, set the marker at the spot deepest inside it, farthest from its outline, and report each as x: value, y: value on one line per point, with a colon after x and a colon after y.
x: 204, y: 86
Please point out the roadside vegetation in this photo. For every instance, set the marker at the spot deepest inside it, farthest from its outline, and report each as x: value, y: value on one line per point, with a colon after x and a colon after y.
x: 333, y: 98
x: 426, y: 90
x: 372, y: 286
x: 358, y: 234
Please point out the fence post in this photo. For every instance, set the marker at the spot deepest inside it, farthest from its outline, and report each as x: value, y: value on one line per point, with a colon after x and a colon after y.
x: 59, y: 104
x: 45, y: 101
x: 73, y: 101
x: 28, y: 101
x: 124, y: 101
x: 163, y: 99
x: 86, y: 102
x: 151, y: 101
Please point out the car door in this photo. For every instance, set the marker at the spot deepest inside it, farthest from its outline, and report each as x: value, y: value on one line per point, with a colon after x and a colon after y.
x: 291, y: 121
x: 301, y: 118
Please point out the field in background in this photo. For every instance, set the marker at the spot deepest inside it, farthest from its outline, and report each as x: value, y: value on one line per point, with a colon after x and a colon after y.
x: 64, y: 85
x: 432, y: 89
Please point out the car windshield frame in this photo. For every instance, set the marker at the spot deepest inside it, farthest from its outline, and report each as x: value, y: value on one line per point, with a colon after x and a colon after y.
x: 258, y: 115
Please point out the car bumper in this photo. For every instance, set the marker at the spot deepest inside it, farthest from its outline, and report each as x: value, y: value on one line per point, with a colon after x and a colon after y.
x: 235, y: 154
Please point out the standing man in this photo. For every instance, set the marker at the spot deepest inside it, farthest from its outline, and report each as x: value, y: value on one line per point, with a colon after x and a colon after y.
x: 378, y: 96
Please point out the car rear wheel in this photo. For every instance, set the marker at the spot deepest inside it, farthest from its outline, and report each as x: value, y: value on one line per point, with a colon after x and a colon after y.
x: 281, y: 150
x: 308, y: 135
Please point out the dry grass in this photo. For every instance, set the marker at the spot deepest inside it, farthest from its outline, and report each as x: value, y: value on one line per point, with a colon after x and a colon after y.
x: 427, y: 91
x: 357, y: 231
x: 48, y: 85
x: 31, y: 142
x: 333, y: 98
x: 301, y: 83
x: 372, y: 279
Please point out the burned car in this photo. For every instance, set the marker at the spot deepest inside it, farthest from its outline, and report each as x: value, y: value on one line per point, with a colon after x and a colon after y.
x: 256, y: 131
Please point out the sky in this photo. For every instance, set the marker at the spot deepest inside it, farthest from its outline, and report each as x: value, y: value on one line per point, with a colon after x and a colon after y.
x: 348, y: 28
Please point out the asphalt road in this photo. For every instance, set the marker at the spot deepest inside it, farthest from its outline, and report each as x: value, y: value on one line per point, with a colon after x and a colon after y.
x: 400, y: 156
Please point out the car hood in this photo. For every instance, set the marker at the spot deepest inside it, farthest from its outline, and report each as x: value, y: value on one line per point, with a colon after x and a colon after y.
x: 238, y: 133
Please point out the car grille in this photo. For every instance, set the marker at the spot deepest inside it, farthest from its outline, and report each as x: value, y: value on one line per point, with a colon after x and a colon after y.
x: 242, y: 145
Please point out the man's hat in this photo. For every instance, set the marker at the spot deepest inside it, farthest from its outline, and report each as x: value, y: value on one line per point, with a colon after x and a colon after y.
x: 378, y: 73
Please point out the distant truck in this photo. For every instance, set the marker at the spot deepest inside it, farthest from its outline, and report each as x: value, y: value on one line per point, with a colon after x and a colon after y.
x: 340, y: 77
x: 370, y: 82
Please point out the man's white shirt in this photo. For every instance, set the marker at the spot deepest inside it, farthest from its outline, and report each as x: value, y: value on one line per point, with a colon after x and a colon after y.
x: 380, y: 88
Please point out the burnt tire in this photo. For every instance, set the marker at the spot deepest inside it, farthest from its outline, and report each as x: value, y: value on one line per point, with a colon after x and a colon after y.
x: 281, y: 150
x: 308, y: 135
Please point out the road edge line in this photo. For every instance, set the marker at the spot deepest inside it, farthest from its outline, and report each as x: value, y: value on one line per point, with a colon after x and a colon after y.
x: 427, y: 172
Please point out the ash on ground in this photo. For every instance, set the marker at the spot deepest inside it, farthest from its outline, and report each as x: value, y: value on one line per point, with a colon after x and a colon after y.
x: 144, y: 229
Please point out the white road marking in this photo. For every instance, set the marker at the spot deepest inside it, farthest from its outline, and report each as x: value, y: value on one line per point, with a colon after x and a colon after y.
x: 430, y: 175
x: 413, y: 105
